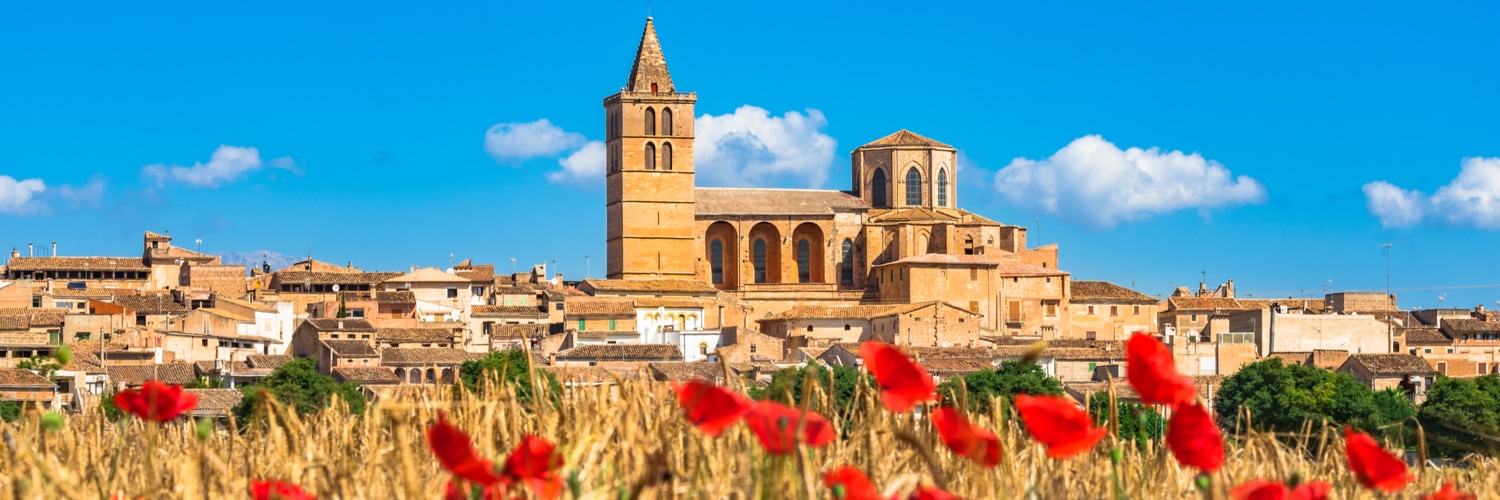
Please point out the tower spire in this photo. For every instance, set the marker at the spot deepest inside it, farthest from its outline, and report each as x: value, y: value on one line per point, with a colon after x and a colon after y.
x: 649, y: 74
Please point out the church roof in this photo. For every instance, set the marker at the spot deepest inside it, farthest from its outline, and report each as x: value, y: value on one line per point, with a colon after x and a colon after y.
x: 905, y: 137
x: 756, y: 201
x: 650, y: 65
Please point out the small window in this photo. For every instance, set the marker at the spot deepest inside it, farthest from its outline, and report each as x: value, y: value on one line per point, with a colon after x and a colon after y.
x: 809, y: 328
x: 582, y: 323
x: 1442, y: 368
x: 666, y: 121
x: 846, y: 327
x: 1450, y: 350
x: 1091, y: 310
x: 1195, y: 317
x: 752, y: 348
x: 1427, y: 350
x: 611, y: 324
x: 205, y: 342
x: 36, y: 301
x: 358, y: 312
x: 1090, y: 335
x: 452, y: 293
x: 973, y: 273
x: 1114, y: 311
x: 1484, y: 368
x: 1135, y: 310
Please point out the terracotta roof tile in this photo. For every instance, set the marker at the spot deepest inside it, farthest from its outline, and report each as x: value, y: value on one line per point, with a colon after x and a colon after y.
x: 508, y: 311
x: 623, y: 352
x: 78, y: 263
x: 1292, y: 358
x: 956, y: 260
x: 268, y: 361
x: 950, y: 367
x: 1106, y: 291
x: 351, y: 348
x: 349, y: 324
x: 423, y: 356
x: 23, y: 379
x: 427, y: 275
x: 215, y: 401
x: 600, y: 306
x: 762, y: 201
x: 1470, y: 326
x: 134, y: 375
x: 1019, y: 269
x: 626, y: 286
x: 1425, y: 335
x: 1393, y: 364
x: 366, y: 374
x: 519, y: 331
x: 415, y: 334
x: 396, y: 297
x: 905, y: 137
x: 682, y: 371
x: 151, y: 303
x: 1205, y: 304
x: 327, y: 278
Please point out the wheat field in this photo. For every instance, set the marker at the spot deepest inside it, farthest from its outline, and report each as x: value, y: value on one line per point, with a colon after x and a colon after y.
x: 627, y: 440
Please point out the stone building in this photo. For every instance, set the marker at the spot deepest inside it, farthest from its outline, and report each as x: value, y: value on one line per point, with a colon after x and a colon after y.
x: 1100, y: 310
x: 896, y: 235
x: 1410, y: 374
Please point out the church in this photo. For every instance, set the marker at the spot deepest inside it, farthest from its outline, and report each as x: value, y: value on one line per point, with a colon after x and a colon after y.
x: 895, y: 237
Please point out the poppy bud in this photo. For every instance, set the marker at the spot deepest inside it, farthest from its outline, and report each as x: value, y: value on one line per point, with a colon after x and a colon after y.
x: 205, y: 429
x: 52, y: 421
x: 64, y: 355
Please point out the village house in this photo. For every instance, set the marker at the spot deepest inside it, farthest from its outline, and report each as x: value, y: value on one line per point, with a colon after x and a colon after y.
x: 743, y: 345
x: 1409, y: 373
x: 28, y: 389
x: 441, y: 297
x: 1100, y: 310
x: 133, y: 376
x: 28, y: 332
x: 417, y: 365
x: 345, y: 353
x: 215, y: 403
x: 602, y: 320
x: 380, y: 376
x: 483, y: 320
x: 444, y: 337
x: 506, y: 337
x: 192, y: 347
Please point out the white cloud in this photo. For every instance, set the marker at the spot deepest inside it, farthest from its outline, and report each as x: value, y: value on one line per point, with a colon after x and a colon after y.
x: 749, y: 147
x: 16, y: 197
x: 507, y: 142
x: 585, y: 167
x: 226, y: 164
x: 88, y: 195
x: 1093, y: 183
x: 1471, y: 200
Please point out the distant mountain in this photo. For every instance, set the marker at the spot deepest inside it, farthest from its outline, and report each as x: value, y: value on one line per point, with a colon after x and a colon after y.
x: 253, y: 260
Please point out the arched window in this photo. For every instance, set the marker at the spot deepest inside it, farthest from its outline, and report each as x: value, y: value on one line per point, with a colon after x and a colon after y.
x: 650, y: 121
x: 666, y: 156
x: 942, y: 193
x: 650, y: 156
x: 666, y: 121
x: 913, y: 187
x: 846, y: 264
x: 969, y: 245
x: 716, y: 260
x: 878, y: 189
x: 804, y: 261
x: 759, y: 248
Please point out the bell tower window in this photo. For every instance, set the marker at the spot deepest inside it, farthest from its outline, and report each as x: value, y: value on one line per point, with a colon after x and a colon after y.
x: 650, y: 156
x: 650, y: 121
x: 666, y: 121
x: 877, y: 189
x: 942, y: 188
x: 666, y: 156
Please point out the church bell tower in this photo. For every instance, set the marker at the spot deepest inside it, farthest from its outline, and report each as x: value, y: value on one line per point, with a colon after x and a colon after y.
x: 649, y: 172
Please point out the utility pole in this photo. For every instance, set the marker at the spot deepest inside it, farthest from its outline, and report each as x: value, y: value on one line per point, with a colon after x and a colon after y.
x: 1387, y: 270
x: 588, y: 267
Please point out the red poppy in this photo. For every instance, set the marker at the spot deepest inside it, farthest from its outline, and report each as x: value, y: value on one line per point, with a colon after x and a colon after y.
x: 156, y: 401
x: 1150, y: 369
x: 710, y: 407
x: 849, y: 483
x: 535, y: 462
x: 775, y: 425
x: 1058, y: 423
x: 453, y: 450
x: 931, y: 493
x: 903, y: 383
x: 967, y: 440
x: 1449, y: 493
x: 1374, y: 467
x: 1194, y: 439
x: 1261, y: 489
x: 278, y: 490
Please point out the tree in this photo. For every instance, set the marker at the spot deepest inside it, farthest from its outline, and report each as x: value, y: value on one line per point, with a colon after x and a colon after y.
x: 511, y: 368
x: 1010, y: 379
x: 42, y: 365
x: 343, y: 311
x: 205, y: 383
x: 1462, y: 416
x: 1138, y: 422
x: 299, y: 385
x: 1282, y: 397
x: 787, y: 384
x: 9, y: 411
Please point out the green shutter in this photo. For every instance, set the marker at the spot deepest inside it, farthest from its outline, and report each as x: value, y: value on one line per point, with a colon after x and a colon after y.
x: 611, y: 325
x: 581, y: 323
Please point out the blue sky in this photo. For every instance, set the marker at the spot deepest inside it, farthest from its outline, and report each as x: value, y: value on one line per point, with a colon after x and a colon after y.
x: 1335, y: 127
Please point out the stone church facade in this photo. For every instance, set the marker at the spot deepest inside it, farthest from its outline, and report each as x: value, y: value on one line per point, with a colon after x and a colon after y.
x: 895, y: 236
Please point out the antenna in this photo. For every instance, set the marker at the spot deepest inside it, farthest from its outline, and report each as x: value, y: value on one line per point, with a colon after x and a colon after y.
x: 199, y: 243
x: 513, y: 265
x: 1388, y: 271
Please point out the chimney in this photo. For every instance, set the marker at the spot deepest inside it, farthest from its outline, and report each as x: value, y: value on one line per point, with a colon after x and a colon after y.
x: 413, y: 269
x: 30, y: 250
x: 14, y: 253
x: 341, y: 324
x: 1202, y: 289
x: 1230, y: 285
x: 351, y: 264
x: 54, y: 249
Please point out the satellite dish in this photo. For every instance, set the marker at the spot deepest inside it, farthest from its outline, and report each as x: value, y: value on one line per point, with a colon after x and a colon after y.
x: 335, y: 288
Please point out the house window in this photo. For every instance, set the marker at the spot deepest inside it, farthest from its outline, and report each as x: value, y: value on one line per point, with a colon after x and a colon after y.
x: 716, y: 260
x: 1135, y: 310
x: 358, y: 312
x: 1450, y: 350
x: 1013, y: 311
x: 36, y: 301
x: 666, y: 122
x: 205, y: 342
x: 1427, y: 350
x: 478, y: 290
x: 973, y: 273
x: 1442, y: 367
x: 1484, y: 368
x: 582, y: 324
x: 942, y: 189
x: 809, y: 328
x: 452, y: 293
x: 1195, y: 317
x: 913, y: 187
x: 974, y: 306
x: 1114, y: 311
x: 611, y: 324
x: 1091, y: 311
x: 752, y: 348
x: 1090, y: 335
x: 846, y: 327
x: 804, y: 256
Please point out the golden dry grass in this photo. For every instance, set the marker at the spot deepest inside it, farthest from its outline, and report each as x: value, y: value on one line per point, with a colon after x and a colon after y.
x: 628, y: 439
